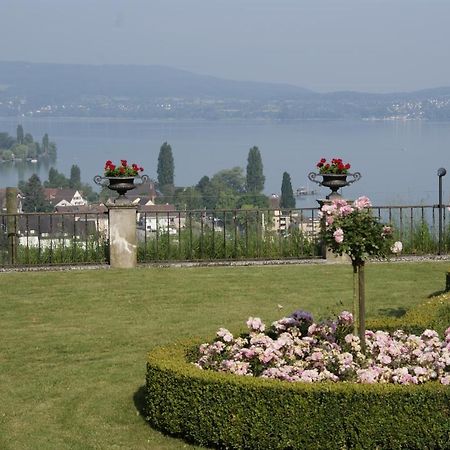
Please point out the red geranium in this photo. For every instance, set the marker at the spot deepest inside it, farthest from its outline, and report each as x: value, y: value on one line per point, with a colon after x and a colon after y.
x: 124, y: 170
x: 336, y: 166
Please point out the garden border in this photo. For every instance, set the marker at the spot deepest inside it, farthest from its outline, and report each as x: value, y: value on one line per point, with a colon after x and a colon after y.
x: 231, y: 411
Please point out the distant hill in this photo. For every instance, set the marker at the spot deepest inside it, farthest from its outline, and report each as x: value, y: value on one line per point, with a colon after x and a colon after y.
x: 156, y: 92
x: 57, y: 82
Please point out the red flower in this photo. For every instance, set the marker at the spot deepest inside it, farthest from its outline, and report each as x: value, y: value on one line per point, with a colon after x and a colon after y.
x: 336, y: 166
x: 124, y: 170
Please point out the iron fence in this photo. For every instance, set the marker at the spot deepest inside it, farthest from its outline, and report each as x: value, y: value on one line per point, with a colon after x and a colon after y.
x: 53, y: 239
x: 203, y: 235
x: 228, y: 235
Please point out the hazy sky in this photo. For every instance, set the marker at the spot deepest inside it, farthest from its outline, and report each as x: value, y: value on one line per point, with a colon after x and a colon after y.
x: 366, y: 45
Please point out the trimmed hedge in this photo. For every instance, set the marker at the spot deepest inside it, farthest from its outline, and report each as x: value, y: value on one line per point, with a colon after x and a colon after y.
x: 238, y: 412
x: 433, y: 314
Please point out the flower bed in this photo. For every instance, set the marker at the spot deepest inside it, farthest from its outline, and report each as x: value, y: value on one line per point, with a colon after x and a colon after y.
x: 297, y: 349
x: 233, y: 411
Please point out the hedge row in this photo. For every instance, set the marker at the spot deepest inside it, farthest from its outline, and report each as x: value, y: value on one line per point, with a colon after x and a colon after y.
x: 433, y: 314
x: 236, y: 412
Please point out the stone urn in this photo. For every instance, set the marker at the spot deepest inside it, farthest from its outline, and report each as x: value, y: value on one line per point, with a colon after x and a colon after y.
x: 121, y: 184
x: 334, y: 181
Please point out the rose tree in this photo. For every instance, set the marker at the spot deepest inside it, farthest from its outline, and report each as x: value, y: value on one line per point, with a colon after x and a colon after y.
x: 350, y: 228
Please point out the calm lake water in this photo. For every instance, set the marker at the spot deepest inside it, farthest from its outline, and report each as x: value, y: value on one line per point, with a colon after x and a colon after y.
x: 398, y: 160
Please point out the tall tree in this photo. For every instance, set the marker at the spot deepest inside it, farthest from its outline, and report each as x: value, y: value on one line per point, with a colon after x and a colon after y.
x: 165, y: 168
x: 255, y: 177
x: 287, y: 200
x: 75, y: 177
x: 6, y: 141
x: 45, y: 144
x: 34, y: 199
x: 56, y: 179
x: 20, y: 134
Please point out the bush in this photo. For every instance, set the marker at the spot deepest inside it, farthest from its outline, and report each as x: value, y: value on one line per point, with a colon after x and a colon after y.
x: 433, y: 314
x: 231, y: 411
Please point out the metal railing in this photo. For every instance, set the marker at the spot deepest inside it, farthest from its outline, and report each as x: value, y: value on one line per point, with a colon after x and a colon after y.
x: 228, y: 235
x: 202, y: 235
x: 53, y: 239
x: 417, y: 226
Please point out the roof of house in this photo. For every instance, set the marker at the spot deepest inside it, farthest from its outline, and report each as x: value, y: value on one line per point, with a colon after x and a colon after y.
x: 158, y: 208
x: 146, y: 189
x: 83, y: 209
x: 56, y: 195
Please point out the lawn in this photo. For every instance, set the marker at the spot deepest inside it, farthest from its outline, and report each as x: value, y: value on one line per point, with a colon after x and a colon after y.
x: 73, y: 344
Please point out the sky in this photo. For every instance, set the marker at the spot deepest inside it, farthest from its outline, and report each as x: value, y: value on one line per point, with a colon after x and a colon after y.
x: 323, y: 45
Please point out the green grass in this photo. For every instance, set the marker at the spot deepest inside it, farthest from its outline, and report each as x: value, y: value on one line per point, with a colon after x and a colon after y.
x: 73, y: 344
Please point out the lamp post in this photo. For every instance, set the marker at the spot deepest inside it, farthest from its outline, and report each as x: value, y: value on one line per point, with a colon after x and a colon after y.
x: 440, y: 173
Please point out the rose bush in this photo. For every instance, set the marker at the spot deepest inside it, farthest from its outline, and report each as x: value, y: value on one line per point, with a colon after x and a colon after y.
x: 352, y: 229
x: 295, y: 348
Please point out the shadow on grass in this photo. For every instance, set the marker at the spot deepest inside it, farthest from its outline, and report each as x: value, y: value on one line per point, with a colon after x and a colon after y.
x: 139, y: 401
x: 437, y: 293
x: 393, y: 312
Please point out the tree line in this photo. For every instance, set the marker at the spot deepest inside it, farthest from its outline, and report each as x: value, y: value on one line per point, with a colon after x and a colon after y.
x: 33, y: 189
x: 227, y: 189
x: 23, y: 146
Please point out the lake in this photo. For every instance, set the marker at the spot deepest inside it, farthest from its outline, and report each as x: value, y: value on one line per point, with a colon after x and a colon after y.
x: 398, y: 160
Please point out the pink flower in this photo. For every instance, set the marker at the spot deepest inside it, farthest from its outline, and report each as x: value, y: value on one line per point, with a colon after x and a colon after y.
x: 225, y: 335
x: 329, y: 220
x: 338, y: 235
x: 362, y: 202
x: 345, y: 210
x: 255, y: 324
x: 345, y: 317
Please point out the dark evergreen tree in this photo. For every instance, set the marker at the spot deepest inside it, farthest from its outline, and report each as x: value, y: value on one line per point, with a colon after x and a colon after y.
x: 20, y: 134
x: 287, y: 200
x: 75, y: 177
x: 6, y: 141
x: 56, y: 179
x: 45, y: 144
x: 34, y: 199
x: 255, y: 177
x: 28, y: 139
x: 203, y: 184
x: 165, y: 169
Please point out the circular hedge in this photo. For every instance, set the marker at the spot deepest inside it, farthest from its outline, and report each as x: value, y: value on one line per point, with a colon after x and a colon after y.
x: 231, y: 411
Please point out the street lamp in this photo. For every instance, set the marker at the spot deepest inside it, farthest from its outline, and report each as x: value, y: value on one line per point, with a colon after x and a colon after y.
x: 440, y: 173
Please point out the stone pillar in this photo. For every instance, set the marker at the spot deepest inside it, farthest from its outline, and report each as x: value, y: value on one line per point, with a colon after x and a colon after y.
x: 122, y: 236
x: 11, y: 223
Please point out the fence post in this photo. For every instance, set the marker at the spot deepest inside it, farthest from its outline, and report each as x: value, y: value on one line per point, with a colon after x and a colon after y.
x: 11, y: 208
x: 122, y: 236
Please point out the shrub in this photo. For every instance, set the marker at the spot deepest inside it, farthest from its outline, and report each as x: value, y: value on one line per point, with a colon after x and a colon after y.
x: 434, y: 314
x: 231, y: 411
